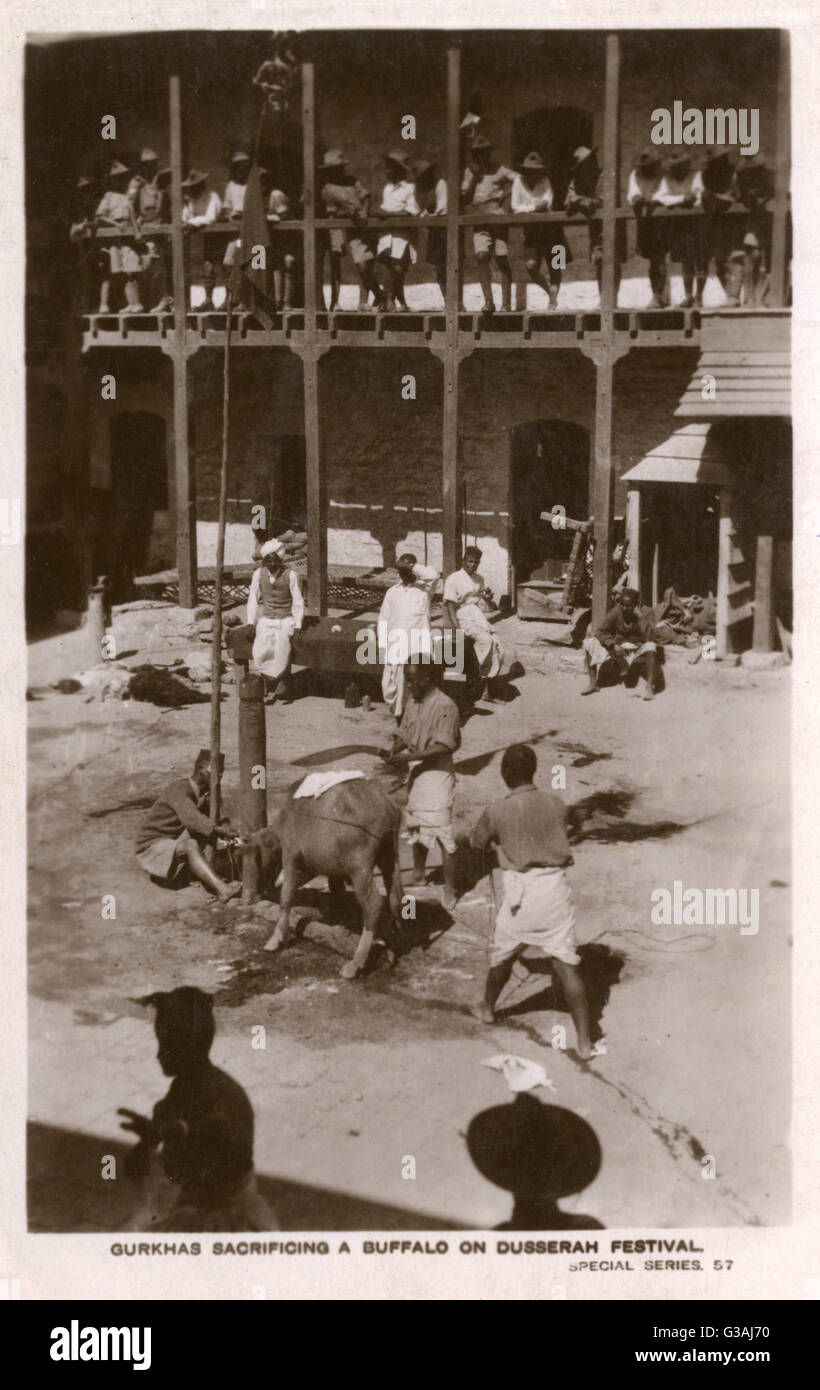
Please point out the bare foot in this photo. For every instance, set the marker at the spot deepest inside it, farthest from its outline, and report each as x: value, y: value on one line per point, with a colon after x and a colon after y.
x: 449, y: 900
x: 230, y: 891
x: 590, y: 690
x: 482, y: 1012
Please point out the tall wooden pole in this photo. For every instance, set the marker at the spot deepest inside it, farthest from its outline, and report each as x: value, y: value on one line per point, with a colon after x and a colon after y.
x: 216, y: 649
x: 777, y: 272
x: 602, y: 481
x: 184, y: 496
x: 315, y: 481
x: 450, y: 470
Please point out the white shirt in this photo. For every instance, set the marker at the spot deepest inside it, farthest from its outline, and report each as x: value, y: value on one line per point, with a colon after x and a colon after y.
x: 535, y: 199
x: 462, y: 588
x: 673, y: 192
x: 399, y: 198
x: 234, y: 200
x: 202, y: 209
x: 406, y: 607
x: 641, y: 187
x: 297, y: 602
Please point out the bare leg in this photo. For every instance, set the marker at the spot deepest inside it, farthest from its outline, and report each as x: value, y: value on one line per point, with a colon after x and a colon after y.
x: 497, y: 977
x: 449, y: 897
x: 506, y: 282
x: 534, y: 272
x: 105, y: 294
x: 206, y: 875
x: 419, y: 864
x: 486, y: 280
x: 649, y: 669
x: 335, y: 278
x: 576, y: 996
x: 397, y: 270
x: 592, y: 676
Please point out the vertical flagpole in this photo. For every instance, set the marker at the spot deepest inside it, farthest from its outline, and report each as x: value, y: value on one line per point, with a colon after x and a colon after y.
x: 216, y: 650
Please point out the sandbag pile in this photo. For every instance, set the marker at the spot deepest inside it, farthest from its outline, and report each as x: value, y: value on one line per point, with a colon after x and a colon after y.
x: 295, y: 543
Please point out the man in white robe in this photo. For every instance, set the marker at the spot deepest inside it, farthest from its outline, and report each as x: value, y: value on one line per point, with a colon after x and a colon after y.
x: 464, y: 591
x: 276, y: 609
x: 405, y: 610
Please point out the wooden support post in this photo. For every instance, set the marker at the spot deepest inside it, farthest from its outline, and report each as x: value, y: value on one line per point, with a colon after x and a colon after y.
x: 602, y: 488
x: 450, y: 469
x: 184, y: 496
x: 316, y: 490
x: 633, y: 538
x: 763, y: 630
x: 778, y: 268
x: 725, y: 535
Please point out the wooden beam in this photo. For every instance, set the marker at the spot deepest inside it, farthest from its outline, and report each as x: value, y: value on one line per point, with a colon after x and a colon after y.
x: 778, y: 269
x: 609, y: 181
x: 315, y: 479
x: 450, y: 470
x: 763, y: 629
x: 602, y: 480
x: 725, y: 537
x: 633, y: 538
x: 184, y: 492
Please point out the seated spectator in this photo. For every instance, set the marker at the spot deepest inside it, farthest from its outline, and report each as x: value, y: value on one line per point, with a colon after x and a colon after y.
x: 341, y: 195
x: 397, y: 250
x: 722, y: 232
x: 284, y: 245
x: 124, y: 260
x: 201, y: 207
x: 532, y: 192
x: 431, y: 200
x: 682, y: 188
x: 585, y: 196
x: 643, y: 197
x: 624, y: 644
x: 484, y: 188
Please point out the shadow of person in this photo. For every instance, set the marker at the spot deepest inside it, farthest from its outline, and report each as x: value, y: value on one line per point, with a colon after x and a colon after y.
x: 539, y: 1153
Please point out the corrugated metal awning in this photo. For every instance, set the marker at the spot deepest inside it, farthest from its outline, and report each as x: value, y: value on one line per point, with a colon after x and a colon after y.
x: 687, y: 456
x: 745, y: 384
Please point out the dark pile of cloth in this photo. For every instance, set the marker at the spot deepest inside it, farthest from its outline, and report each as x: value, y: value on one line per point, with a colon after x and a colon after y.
x: 683, y: 620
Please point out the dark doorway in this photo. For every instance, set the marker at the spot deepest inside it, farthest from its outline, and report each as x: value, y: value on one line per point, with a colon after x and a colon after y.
x: 682, y: 526
x: 554, y: 132
x: 550, y: 467
x: 139, y: 489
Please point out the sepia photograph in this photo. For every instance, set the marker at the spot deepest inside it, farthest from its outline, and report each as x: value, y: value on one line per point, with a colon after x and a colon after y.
x: 407, y: 529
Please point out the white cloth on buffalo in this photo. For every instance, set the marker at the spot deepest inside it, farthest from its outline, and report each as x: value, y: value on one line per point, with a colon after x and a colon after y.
x: 317, y: 783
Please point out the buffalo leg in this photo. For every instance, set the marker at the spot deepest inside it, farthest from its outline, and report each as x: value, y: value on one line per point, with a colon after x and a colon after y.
x: 339, y: 907
x: 371, y: 902
x: 391, y: 874
x: 286, y: 896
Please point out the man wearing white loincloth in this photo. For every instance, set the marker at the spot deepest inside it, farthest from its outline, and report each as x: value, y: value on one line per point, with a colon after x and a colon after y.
x: 405, y: 610
x: 429, y: 734
x: 276, y: 609
x: 527, y: 829
x: 464, y: 591
x: 624, y: 641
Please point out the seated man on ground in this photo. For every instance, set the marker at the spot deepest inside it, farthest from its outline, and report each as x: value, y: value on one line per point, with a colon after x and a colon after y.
x: 177, y: 826
x: 464, y: 593
x: 623, y: 643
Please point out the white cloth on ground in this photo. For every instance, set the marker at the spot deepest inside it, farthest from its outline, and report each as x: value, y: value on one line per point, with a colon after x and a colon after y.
x: 520, y: 1073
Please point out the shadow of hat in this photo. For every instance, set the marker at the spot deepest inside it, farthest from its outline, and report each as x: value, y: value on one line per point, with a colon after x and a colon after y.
x: 527, y: 1147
